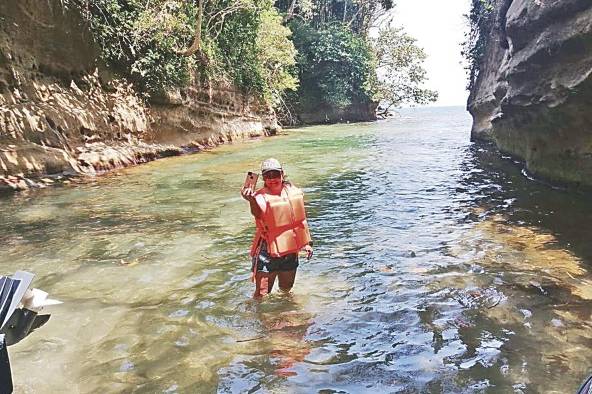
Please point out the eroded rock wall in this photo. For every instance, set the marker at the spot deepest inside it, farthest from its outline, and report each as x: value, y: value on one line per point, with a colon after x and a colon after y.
x: 533, y: 95
x: 358, y: 112
x: 62, y: 112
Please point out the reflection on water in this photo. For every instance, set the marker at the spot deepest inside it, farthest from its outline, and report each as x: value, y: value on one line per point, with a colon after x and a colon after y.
x: 438, y: 268
x: 268, y: 358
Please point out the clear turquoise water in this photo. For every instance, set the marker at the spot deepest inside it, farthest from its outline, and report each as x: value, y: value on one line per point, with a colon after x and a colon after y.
x: 439, y: 267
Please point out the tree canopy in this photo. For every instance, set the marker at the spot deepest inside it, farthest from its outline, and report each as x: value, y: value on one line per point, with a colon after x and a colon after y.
x: 159, y: 44
x: 340, y: 64
x: 400, y: 70
x: 322, y: 48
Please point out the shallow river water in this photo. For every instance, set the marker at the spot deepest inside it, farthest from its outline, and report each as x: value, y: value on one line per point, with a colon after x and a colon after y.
x: 439, y: 267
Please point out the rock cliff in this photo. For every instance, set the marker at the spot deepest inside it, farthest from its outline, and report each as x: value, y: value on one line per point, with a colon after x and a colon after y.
x: 533, y: 94
x: 62, y: 112
x: 358, y: 112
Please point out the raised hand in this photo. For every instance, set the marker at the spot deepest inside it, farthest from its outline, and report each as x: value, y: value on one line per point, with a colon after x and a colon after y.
x: 248, y: 194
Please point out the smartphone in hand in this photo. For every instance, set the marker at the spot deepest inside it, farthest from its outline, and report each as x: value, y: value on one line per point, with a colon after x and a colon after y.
x: 251, y: 180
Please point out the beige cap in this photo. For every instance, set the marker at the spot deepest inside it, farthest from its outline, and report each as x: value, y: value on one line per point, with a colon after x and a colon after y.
x: 270, y: 164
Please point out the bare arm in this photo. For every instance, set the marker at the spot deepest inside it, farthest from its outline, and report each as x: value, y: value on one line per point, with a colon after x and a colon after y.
x: 308, y: 248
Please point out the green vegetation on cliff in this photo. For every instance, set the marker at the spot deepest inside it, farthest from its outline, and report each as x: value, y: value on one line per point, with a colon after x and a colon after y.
x: 319, y: 49
x: 480, y: 19
x: 150, y: 42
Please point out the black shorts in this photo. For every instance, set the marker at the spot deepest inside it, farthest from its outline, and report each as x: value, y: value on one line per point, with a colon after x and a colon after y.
x: 267, y: 263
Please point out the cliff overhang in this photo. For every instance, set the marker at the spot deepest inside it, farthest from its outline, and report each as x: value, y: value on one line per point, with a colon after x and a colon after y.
x: 533, y: 94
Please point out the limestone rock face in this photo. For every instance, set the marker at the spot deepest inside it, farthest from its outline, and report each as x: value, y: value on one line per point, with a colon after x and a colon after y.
x: 533, y: 95
x: 208, y: 115
x: 61, y: 112
x: 357, y: 112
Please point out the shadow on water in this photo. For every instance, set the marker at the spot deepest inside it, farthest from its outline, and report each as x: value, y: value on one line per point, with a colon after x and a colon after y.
x: 527, y: 257
x: 525, y: 202
x: 268, y: 358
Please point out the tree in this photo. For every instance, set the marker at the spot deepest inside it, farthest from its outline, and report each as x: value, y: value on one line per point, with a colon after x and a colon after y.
x: 160, y: 44
x: 276, y: 56
x: 217, y: 13
x: 196, y: 45
x: 359, y: 15
x: 400, y: 71
x: 299, y: 8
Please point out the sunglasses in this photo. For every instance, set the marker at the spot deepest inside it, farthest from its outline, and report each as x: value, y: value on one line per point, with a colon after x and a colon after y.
x: 272, y: 174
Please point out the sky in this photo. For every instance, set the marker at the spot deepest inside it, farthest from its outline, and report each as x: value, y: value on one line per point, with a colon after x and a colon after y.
x: 438, y: 26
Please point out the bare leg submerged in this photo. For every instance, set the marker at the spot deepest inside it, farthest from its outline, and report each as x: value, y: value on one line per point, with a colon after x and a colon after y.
x: 264, y: 282
x: 286, y: 279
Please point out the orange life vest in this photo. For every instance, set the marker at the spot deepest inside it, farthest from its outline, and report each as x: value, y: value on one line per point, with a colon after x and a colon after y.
x: 283, y: 225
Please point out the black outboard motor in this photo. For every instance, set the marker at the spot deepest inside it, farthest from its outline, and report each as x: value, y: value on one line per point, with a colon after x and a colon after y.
x: 586, y: 387
x: 19, y: 308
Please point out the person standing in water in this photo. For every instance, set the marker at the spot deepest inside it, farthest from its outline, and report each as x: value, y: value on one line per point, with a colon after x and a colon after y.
x: 282, y: 230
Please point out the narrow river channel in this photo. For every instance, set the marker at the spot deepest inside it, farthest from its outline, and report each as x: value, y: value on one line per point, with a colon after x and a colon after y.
x: 439, y: 267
